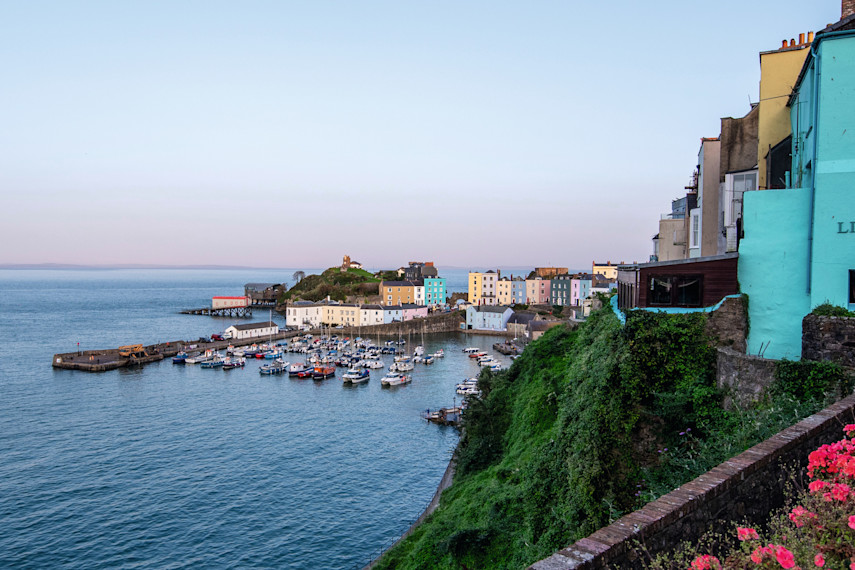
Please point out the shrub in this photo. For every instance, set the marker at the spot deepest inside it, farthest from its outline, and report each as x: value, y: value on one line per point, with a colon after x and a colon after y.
x: 829, y: 310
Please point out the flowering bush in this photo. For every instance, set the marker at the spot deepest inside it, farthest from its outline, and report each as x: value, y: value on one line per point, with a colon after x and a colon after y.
x: 819, y: 532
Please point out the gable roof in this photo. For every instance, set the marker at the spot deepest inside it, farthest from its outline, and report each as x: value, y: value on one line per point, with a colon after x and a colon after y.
x: 253, y: 326
x: 492, y: 308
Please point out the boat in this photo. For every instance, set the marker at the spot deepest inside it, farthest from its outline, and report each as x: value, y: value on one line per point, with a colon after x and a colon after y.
x: 471, y: 350
x: 296, y: 368
x: 322, y: 372
x: 215, y: 362
x: 278, y: 366
x: 477, y: 354
x: 402, y: 366
x: 428, y: 360
x: 355, y: 376
x: 200, y: 358
x: 179, y: 358
x: 232, y: 363
x: 373, y: 364
x: 419, y: 350
x: 439, y: 354
x: 395, y: 379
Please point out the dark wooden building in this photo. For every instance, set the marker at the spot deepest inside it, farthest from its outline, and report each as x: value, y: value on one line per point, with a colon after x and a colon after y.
x: 685, y: 283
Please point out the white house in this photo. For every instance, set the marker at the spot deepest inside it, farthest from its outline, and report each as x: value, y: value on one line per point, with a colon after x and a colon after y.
x: 252, y: 330
x: 393, y: 313
x: 370, y: 315
x: 488, y: 317
x: 304, y: 313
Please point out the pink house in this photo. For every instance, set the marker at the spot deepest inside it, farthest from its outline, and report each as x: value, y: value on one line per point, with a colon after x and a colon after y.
x: 537, y: 291
x: 414, y: 312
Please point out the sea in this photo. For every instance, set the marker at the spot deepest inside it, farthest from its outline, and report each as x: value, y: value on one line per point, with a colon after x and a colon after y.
x: 170, y: 466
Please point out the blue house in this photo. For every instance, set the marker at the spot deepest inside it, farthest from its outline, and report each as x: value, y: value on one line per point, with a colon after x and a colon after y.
x: 488, y: 317
x: 435, y: 293
x: 799, y: 245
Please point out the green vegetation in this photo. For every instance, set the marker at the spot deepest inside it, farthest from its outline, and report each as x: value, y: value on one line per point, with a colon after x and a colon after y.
x: 829, y: 310
x: 587, y: 425
x: 336, y: 284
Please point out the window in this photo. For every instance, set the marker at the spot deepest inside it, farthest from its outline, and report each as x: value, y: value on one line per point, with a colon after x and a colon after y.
x: 675, y: 290
x: 695, y: 230
x: 852, y: 286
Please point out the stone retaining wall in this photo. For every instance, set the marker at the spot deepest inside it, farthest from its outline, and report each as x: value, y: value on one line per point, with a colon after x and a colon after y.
x: 729, y: 324
x: 829, y: 338
x: 442, y: 323
x: 743, y: 377
x: 747, y: 487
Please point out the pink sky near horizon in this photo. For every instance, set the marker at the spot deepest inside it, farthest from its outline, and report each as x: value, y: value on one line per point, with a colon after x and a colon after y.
x: 289, y: 134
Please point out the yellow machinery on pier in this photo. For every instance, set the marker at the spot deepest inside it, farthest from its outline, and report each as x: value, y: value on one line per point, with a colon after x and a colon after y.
x: 132, y: 351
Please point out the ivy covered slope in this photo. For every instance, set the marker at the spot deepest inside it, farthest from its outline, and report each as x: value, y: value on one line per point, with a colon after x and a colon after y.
x: 586, y: 426
x: 335, y: 283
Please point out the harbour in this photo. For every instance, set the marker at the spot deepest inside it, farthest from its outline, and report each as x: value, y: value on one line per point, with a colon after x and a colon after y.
x: 140, y: 458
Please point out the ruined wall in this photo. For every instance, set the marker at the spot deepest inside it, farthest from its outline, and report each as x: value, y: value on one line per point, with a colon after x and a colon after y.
x: 744, y: 378
x: 729, y: 324
x: 829, y: 338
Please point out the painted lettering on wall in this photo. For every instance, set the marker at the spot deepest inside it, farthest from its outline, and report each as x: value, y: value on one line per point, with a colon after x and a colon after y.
x: 843, y: 228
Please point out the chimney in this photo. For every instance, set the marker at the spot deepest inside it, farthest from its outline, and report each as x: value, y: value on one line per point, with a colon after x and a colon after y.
x: 801, y: 39
x: 792, y: 42
x: 783, y: 45
x: 847, y: 8
x: 810, y: 37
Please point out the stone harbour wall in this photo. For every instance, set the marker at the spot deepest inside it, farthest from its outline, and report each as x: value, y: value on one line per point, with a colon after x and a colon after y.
x: 829, y: 338
x: 747, y: 487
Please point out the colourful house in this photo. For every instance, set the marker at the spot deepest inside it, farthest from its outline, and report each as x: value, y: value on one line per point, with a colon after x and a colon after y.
x: 411, y: 311
x: 580, y: 288
x: 393, y: 314
x: 435, y: 292
x: 799, y: 246
x: 397, y: 292
x: 482, y: 287
x: 560, y: 290
x: 488, y: 317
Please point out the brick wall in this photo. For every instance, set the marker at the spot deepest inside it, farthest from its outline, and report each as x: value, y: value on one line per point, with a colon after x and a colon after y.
x: 746, y: 487
x: 829, y: 338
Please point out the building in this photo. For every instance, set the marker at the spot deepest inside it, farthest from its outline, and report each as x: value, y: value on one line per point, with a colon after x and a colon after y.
x: 410, y: 312
x: 263, y: 294
x: 343, y: 314
x: 703, y: 220
x: 370, y: 315
x: 504, y: 292
x: 482, y: 287
x: 672, y: 240
x: 397, y: 292
x: 347, y: 263
x: 779, y: 70
x: 685, y: 283
x: 418, y: 270
x: 435, y: 292
x: 799, y: 246
x: 517, y: 325
x: 608, y: 269
x: 580, y: 288
x: 559, y: 288
x: 252, y: 330
x: 302, y: 313
x: 537, y: 328
x: 518, y: 290
x: 393, y: 314
x: 488, y: 317
x: 549, y: 272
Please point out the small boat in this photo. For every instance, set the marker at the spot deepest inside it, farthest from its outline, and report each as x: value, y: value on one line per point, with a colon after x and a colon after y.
x: 322, y: 372
x: 471, y: 350
x: 276, y: 367
x: 395, y: 379
x: 428, y: 360
x: 419, y: 350
x: 179, y: 358
x: 402, y: 366
x: 355, y: 376
x: 477, y: 354
x: 216, y: 362
x: 374, y: 364
x: 439, y: 354
x: 232, y: 363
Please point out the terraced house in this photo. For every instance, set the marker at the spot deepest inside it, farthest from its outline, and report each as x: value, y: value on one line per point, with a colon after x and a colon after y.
x: 435, y: 292
x: 482, y: 287
x: 397, y: 292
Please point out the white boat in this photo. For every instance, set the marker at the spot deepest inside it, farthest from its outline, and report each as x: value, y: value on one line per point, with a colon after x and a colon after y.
x: 419, y: 350
x: 355, y: 376
x: 471, y: 350
x: 374, y: 364
x: 439, y: 354
x: 395, y: 379
x: 403, y: 366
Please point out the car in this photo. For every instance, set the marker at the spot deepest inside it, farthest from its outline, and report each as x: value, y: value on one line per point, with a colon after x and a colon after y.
x: 217, y: 337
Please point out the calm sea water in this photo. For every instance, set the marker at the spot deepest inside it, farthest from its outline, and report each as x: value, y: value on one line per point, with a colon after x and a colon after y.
x: 179, y: 467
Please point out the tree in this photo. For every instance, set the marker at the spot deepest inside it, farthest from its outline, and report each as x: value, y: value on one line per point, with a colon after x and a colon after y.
x: 298, y: 276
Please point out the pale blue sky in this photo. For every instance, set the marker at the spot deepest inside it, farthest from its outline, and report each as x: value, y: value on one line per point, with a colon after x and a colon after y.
x: 290, y: 133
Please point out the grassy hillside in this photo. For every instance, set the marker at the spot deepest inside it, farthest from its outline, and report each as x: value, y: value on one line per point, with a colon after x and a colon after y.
x: 586, y: 426
x: 334, y: 283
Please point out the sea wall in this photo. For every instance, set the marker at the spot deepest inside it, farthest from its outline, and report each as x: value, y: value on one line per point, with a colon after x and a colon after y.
x: 439, y: 323
x: 829, y: 338
x: 747, y: 487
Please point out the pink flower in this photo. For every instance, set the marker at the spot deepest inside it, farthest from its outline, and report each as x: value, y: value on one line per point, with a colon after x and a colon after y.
x: 840, y: 491
x: 746, y: 534
x: 852, y: 522
x: 706, y: 562
x: 816, y: 485
x: 849, y: 428
x: 785, y: 557
x: 818, y: 560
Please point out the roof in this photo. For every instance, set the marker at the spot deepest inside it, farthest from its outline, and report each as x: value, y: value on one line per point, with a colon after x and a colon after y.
x: 541, y: 325
x: 304, y: 304
x: 372, y: 307
x: 392, y: 308
x: 522, y: 318
x: 398, y: 284
x: 492, y: 308
x: 252, y: 326
x: 259, y: 286
x: 847, y: 23
x: 411, y: 306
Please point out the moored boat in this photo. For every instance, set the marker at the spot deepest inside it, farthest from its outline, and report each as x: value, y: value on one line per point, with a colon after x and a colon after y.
x: 395, y: 379
x: 322, y: 372
x: 355, y: 376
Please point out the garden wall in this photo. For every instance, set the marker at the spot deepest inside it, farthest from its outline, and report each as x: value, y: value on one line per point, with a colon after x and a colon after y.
x: 829, y: 338
x: 747, y: 487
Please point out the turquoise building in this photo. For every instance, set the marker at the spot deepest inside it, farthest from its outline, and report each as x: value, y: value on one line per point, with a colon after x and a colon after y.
x: 435, y: 293
x: 518, y: 290
x: 799, y: 246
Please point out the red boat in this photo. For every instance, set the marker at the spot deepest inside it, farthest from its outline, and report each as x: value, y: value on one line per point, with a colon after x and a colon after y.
x: 321, y: 372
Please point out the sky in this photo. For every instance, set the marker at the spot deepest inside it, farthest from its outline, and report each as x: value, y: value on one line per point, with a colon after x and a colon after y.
x: 288, y: 134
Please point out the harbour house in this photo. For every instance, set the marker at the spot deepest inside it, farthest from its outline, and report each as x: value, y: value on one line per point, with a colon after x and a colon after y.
x: 252, y: 330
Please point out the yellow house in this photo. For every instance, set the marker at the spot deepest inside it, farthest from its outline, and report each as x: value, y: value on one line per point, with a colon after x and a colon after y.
x: 397, y: 292
x: 779, y: 70
x: 504, y: 291
x: 607, y: 269
x: 347, y: 315
x: 482, y: 287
